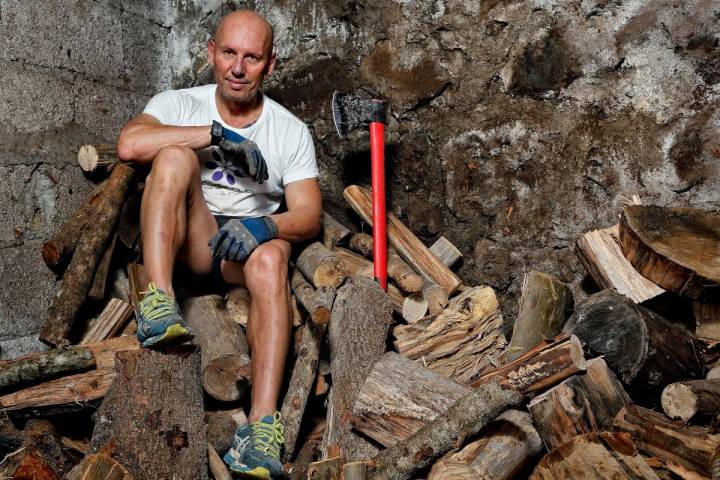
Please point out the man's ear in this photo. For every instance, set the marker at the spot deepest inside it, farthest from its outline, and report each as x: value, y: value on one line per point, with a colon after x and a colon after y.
x: 271, y: 64
x: 211, y: 52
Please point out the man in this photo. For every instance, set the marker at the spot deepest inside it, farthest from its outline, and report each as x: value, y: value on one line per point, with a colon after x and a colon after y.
x: 222, y: 157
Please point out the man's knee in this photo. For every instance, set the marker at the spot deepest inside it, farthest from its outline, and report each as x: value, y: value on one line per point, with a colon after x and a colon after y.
x: 174, y: 162
x: 267, y: 265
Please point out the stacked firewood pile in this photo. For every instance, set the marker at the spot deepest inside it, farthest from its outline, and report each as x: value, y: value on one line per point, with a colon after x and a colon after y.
x: 418, y: 382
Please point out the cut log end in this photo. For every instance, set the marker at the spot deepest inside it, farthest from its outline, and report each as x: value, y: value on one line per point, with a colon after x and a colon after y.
x: 227, y: 379
x: 679, y: 402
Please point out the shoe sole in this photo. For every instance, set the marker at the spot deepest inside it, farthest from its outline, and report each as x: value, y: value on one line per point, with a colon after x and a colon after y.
x: 258, y: 473
x: 175, y: 334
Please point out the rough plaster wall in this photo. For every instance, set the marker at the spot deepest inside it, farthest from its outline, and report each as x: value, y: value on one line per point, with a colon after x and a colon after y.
x: 71, y: 72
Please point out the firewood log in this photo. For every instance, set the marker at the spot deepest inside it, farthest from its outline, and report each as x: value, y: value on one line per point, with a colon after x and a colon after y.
x: 600, y: 253
x: 354, y: 471
x: 399, y: 271
x: 686, y: 451
x: 357, y: 333
x: 237, y: 302
x: 362, y: 243
x: 677, y: 248
x: 446, y: 252
x: 465, y: 418
x: 225, y: 363
x: 99, y: 466
x: 298, y: 319
x: 408, y: 245
x: 91, y: 157
x: 110, y: 322
x: 37, y: 367
x: 545, y: 305
x: 74, y: 391
x: 459, y: 342
x: 217, y: 466
x: 154, y: 410
x: 686, y: 400
x: 329, y: 469
x: 707, y: 320
x: 221, y: 426
x: 487, y: 456
x: 79, y: 274
x: 318, y: 303
x: 646, y: 351
x: 584, y: 403
x: 138, y: 280
x: 99, y: 283
x: 334, y: 232
x: 320, y: 266
x: 301, y: 383
x: 41, y: 455
x: 595, y: 456
x: 58, y: 249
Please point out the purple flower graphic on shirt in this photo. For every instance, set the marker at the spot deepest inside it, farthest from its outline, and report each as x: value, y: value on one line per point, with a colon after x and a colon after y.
x: 223, y: 168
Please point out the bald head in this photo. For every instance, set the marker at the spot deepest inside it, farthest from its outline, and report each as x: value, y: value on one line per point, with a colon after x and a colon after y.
x: 246, y: 22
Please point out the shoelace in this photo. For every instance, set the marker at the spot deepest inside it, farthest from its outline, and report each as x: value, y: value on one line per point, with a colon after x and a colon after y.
x: 156, y: 304
x: 267, y: 438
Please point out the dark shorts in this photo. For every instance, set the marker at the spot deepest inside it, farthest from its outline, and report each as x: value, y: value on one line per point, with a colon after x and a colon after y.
x: 215, y: 274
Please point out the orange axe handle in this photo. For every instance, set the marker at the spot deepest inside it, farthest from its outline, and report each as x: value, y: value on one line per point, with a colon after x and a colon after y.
x: 377, y: 158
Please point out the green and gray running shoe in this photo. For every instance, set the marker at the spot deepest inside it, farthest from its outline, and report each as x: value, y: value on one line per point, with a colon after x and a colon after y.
x: 158, y: 321
x: 256, y: 449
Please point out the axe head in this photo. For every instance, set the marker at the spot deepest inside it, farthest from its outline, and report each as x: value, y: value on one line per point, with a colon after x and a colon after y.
x: 351, y: 112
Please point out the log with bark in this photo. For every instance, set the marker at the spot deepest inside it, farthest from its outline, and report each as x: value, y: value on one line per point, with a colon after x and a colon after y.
x: 154, y: 414
x: 111, y: 321
x: 545, y: 305
x: 80, y: 272
x: 487, y: 456
x: 237, y: 303
x: 408, y: 245
x: 397, y: 269
x: 333, y: 232
x: 695, y: 398
x: 221, y: 426
x: 320, y: 266
x: 686, y: 451
x: 99, y: 466
x: 600, y: 253
x: 360, y: 321
x: 92, y: 157
x: 677, y: 248
x: 99, y: 283
x: 42, y: 366
x: 584, y: 403
x: 58, y: 249
x: 74, y: 391
x: 465, y: 418
x: 318, y: 303
x: 595, y: 456
x: 301, y: 384
x: 459, y: 342
x: 646, y: 351
x: 225, y: 363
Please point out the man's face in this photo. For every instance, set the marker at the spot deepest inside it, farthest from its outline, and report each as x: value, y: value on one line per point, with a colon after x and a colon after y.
x: 242, y: 57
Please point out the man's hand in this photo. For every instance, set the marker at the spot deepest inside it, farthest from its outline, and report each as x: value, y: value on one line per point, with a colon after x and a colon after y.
x: 238, y: 238
x: 238, y: 149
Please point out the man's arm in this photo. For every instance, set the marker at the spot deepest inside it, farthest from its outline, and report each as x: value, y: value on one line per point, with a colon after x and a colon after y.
x: 142, y: 138
x: 304, y: 216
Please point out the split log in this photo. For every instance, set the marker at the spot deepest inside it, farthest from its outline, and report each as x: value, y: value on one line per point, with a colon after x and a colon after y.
x: 138, y: 280
x: 38, y: 367
x: 707, y: 320
x: 677, y: 248
x: 600, y: 253
x: 325, y: 469
x: 465, y: 418
x: 545, y: 305
x: 99, y: 466
x: 58, y: 249
x: 487, y: 456
x: 225, y: 363
x: 41, y: 455
x: 167, y: 389
x: 334, y: 232
x: 686, y: 400
x: 597, y: 456
x: 642, y: 348
x: 90, y: 157
x: 320, y: 266
x: 110, y: 322
x: 446, y: 252
x: 399, y: 396
x: 408, y: 245
x: 318, y: 303
x: 217, y: 466
x: 221, y: 426
x: 359, y: 325
x: 99, y: 283
x: 459, y: 342
x: 585, y: 403
x: 301, y: 383
x: 686, y: 451
x: 80, y: 272
x: 74, y: 391
x: 237, y: 303
x: 436, y: 297
x: 354, y: 471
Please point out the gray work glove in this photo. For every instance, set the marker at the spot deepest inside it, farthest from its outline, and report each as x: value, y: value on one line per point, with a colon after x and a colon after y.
x: 238, y: 238
x: 241, y: 151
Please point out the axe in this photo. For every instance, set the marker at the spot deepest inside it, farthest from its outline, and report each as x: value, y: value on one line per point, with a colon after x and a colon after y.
x: 349, y: 113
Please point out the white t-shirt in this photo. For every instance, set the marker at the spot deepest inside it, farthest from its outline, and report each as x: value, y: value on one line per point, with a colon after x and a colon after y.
x: 283, y: 139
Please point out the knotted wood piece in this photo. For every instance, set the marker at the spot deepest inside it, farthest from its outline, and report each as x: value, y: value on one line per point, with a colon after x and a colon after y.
x: 90, y: 247
x: 677, y: 248
x: 320, y: 266
x: 686, y: 400
x: 37, y: 367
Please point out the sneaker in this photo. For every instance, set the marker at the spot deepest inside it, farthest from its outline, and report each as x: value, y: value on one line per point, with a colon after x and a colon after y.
x: 158, y: 321
x: 256, y: 449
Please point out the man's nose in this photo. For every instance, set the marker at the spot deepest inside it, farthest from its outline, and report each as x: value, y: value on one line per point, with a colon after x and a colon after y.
x: 238, y: 67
